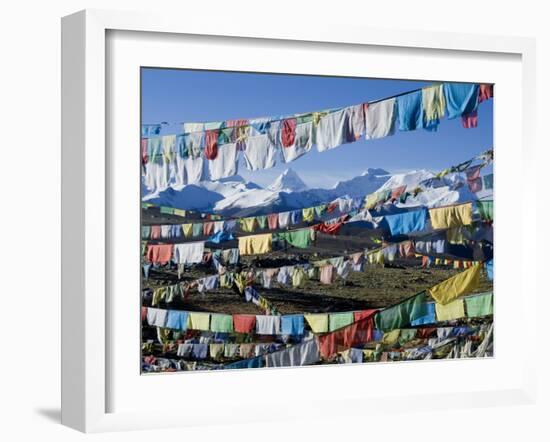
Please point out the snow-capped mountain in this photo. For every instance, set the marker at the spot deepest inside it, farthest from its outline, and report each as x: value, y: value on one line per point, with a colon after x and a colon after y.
x: 200, y: 196
x: 289, y: 182
x: 235, y: 196
x: 410, y: 179
x: 363, y: 184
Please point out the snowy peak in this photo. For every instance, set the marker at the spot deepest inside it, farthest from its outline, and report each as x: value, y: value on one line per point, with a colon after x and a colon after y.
x: 361, y: 185
x: 410, y: 179
x: 375, y: 172
x: 289, y: 182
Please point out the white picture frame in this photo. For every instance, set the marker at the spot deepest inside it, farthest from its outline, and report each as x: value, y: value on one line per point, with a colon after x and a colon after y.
x: 87, y: 215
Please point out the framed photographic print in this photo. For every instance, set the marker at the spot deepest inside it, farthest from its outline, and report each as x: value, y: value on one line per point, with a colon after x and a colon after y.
x: 270, y: 242
x: 305, y: 214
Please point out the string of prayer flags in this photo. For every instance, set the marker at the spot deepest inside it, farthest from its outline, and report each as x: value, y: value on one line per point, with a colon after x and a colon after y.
x: 167, y: 210
x: 326, y: 345
x: 249, y: 224
x: 251, y: 295
x: 464, y: 341
x: 431, y: 342
x: 221, y: 144
x: 325, y: 271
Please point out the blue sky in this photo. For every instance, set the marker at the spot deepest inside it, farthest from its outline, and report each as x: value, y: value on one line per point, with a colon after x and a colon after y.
x: 174, y: 96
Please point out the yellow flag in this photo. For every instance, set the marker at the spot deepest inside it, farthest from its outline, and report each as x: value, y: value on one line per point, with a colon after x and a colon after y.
x: 308, y: 214
x: 456, y: 236
x: 187, y: 230
x: 255, y: 244
x: 376, y: 257
x: 433, y: 101
x: 456, y: 286
x: 452, y: 310
x: 391, y: 337
x: 317, y: 322
x: 168, y: 144
x: 368, y: 354
x: 371, y: 201
x: 248, y: 224
x: 454, y: 216
x: 199, y: 321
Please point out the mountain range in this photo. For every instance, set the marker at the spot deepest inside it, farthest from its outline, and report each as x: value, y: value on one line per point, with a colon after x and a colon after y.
x: 234, y: 196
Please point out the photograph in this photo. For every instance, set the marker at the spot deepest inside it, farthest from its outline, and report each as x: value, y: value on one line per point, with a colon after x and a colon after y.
x: 304, y: 220
x: 275, y: 226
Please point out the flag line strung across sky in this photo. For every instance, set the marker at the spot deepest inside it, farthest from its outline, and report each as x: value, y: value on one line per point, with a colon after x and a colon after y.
x: 177, y: 160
